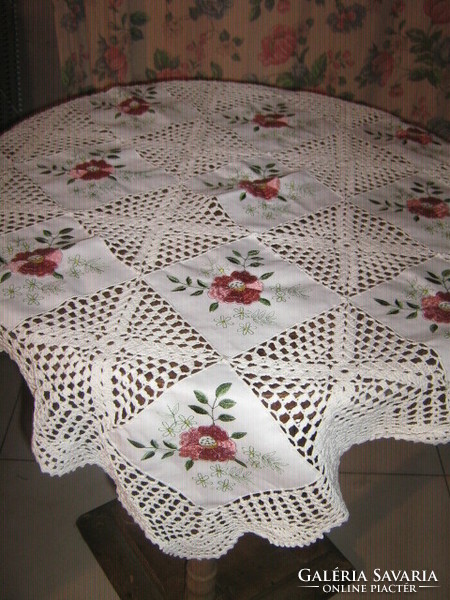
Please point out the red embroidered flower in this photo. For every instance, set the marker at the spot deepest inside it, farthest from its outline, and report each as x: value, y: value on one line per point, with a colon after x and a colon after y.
x: 40, y: 262
x: 133, y: 106
x: 278, y: 47
x: 437, y: 308
x: 415, y: 135
x: 207, y: 443
x: 437, y: 10
x: 429, y: 207
x: 262, y: 188
x: 239, y: 287
x: 116, y: 62
x: 271, y: 120
x: 94, y: 169
x: 382, y: 67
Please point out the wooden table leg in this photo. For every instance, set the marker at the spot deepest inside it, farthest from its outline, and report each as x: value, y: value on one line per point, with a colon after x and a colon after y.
x: 201, y: 579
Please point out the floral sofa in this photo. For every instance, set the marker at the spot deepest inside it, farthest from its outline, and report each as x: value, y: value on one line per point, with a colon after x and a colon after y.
x: 392, y: 54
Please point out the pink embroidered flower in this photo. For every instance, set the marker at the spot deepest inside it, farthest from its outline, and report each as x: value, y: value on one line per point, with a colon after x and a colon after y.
x: 279, y: 46
x: 382, y: 67
x: 116, y: 62
x: 40, y: 262
x: 437, y: 308
x: 415, y: 135
x: 133, y: 106
x: 94, y: 169
x: 429, y: 207
x: 240, y: 287
x: 437, y: 10
x: 262, y: 188
x: 271, y: 121
x: 207, y: 443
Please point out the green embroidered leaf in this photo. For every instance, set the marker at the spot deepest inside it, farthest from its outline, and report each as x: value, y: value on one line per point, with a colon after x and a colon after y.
x: 398, y: 303
x: 136, y: 444
x: 202, y: 284
x: 224, y: 36
x: 170, y: 445
x: 57, y: 275
x: 237, y: 41
x: 255, y: 169
x: 237, y: 435
x: 243, y: 196
x: 148, y: 455
x: 412, y: 305
x: 267, y: 275
x: 433, y: 328
x: 188, y: 464
x: 222, y: 389
x: 256, y: 264
x: 282, y: 198
x: 188, y: 281
x: 154, y: 443
x: 201, y: 397
x: 253, y: 253
x: 167, y: 454
x: 214, y: 306
x: 225, y: 418
x: 172, y: 279
x: 227, y: 403
x: 270, y: 165
x: 5, y: 276
x: 394, y: 311
x: 264, y: 301
x: 412, y: 315
x: 382, y: 302
x: 180, y: 288
x: 197, y: 293
x: 237, y: 253
x: 41, y: 240
x: 445, y: 274
x: 233, y: 260
x: 47, y: 233
x: 69, y: 181
x: 235, y: 57
x: 198, y: 409
x: 239, y: 462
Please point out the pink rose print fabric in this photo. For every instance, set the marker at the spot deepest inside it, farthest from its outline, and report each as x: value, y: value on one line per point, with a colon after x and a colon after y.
x: 203, y: 435
x: 240, y: 294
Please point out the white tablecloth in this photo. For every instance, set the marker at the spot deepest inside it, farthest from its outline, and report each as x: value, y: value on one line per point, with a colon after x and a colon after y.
x: 213, y: 290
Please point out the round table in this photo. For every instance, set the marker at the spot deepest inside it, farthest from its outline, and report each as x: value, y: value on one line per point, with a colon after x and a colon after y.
x: 214, y: 289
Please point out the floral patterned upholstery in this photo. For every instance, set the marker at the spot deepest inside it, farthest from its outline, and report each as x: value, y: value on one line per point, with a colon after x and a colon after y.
x: 391, y: 54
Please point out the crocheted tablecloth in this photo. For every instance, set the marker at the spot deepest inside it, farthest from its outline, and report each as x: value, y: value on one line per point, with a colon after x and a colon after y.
x: 214, y: 289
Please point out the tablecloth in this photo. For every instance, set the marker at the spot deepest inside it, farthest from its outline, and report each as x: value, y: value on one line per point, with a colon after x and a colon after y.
x: 214, y: 289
